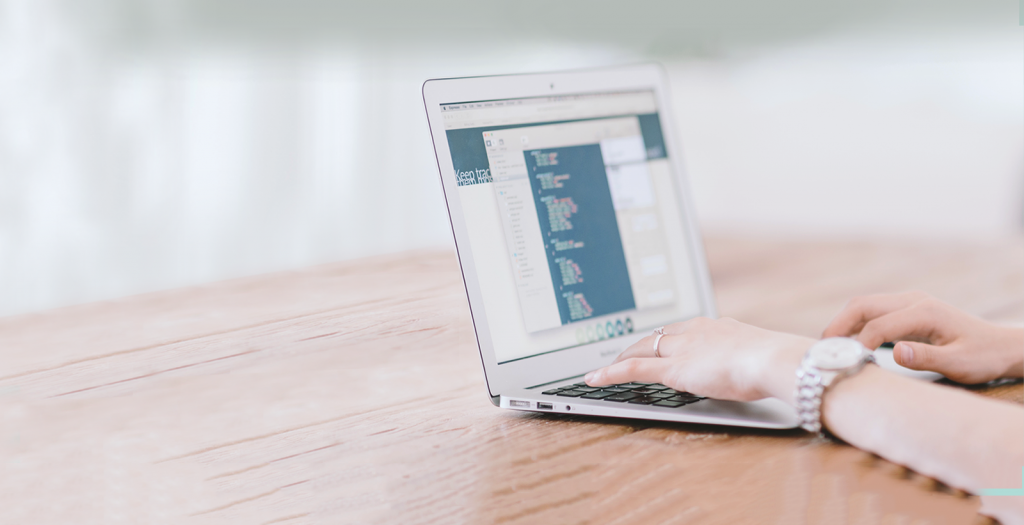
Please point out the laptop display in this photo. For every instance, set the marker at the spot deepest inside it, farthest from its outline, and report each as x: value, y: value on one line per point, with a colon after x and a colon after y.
x: 573, y: 218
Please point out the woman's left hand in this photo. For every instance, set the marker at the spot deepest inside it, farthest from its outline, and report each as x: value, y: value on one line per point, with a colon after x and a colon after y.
x: 721, y: 359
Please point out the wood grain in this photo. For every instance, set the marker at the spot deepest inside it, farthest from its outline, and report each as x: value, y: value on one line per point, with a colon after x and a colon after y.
x: 352, y: 393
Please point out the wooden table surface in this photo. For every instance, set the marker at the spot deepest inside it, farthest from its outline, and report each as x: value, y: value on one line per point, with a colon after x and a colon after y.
x: 352, y: 393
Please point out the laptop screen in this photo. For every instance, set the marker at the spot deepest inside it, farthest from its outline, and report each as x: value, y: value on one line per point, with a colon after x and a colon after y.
x: 573, y: 219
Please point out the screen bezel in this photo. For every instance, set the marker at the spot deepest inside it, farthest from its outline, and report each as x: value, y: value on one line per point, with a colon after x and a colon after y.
x: 573, y: 361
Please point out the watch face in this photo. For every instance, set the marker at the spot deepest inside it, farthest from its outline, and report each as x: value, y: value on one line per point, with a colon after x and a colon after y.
x: 836, y: 353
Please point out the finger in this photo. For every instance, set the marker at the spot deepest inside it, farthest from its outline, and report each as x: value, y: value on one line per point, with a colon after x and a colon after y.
x: 676, y: 333
x: 914, y: 324
x: 643, y: 370
x: 685, y: 326
x: 860, y: 310
x: 953, y: 361
x: 641, y: 348
x: 920, y: 356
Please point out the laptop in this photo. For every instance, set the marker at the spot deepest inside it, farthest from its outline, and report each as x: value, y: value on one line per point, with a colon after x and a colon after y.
x: 576, y: 237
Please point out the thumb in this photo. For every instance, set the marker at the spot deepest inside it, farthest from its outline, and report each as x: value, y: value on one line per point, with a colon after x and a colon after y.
x: 918, y: 356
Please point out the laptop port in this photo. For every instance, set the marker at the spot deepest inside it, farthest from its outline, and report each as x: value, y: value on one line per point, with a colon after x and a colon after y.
x: 545, y: 406
x: 518, y: 404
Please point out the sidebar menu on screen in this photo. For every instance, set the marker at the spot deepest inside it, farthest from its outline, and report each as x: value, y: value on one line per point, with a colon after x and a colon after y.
x: 523, y: 239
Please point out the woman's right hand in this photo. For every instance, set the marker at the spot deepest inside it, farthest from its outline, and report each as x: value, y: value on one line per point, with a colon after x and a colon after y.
x: 932, y: 335
x: 718, y: 358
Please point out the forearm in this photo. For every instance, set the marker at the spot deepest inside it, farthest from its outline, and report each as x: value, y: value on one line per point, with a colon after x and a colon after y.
x: 962, y: 439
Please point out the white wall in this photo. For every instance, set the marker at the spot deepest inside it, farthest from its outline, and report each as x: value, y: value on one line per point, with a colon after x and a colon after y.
x: 859, y: 135
x: 127, y: 170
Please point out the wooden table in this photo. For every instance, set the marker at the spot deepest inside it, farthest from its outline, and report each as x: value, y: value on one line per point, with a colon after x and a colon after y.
x: 352, y: 393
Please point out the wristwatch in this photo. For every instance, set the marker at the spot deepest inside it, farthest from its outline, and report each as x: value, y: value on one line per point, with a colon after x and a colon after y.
x: 826, y: 363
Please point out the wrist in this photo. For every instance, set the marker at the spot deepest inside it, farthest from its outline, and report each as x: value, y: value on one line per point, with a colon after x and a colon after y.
x: 783, y: 361
x: 1014, y: 345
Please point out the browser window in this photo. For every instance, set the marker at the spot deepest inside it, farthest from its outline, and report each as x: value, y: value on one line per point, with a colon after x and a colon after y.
x: 573, y: 219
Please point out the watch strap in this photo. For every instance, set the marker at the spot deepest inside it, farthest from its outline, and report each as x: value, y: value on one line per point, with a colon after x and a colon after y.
x: 810, y: 388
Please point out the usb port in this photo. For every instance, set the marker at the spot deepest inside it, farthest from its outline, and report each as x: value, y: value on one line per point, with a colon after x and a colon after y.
x: 518, y: 404
x: 545, y: 406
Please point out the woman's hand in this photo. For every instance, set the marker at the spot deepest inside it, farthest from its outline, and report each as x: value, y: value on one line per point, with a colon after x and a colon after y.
x: 722, y: 359
x: 933, y: 335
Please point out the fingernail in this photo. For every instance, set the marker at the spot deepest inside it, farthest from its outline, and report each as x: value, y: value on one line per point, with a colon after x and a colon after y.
x: 589, y: 376
x: 906, y: 353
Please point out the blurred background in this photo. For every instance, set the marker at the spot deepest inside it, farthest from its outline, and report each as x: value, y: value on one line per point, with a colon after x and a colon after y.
x: 152, y: 144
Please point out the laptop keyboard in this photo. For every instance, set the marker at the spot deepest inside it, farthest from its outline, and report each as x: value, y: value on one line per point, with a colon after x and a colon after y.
x: 638, y: 393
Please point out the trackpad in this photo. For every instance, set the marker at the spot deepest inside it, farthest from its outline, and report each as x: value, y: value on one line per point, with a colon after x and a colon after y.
x: 887, y: 362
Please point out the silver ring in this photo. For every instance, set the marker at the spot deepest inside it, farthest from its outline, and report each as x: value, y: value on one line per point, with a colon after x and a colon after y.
x: 657, y: 340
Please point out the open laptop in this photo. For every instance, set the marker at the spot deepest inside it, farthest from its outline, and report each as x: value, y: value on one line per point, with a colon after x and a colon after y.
x: 576, y: 236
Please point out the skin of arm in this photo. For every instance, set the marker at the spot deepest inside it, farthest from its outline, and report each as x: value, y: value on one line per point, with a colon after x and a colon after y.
x: 964, y: 440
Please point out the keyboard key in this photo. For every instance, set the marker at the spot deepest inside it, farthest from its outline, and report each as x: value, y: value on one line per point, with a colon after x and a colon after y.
x: 661, y: 395
x: 683, y: 399
x: 670, y: 404
x: 621, y: 397
x: 644, y: 400
x: 658, y: 387
x: 552, y: 392
x: 586, y: 389
x: 615, y: 389
x: 643, y: 390
x: 580, y: 384
x: 678, y: 393
x: 597, y: 395
x: 570, y: 393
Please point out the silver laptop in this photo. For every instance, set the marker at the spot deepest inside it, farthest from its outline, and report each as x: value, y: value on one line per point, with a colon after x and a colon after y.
x: 576, y: 236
